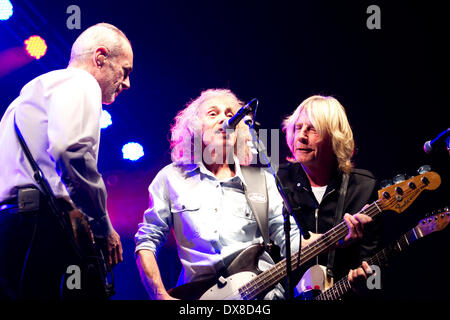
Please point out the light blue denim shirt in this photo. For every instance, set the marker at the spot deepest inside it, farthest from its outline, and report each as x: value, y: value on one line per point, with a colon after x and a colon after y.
x: 211, y: 219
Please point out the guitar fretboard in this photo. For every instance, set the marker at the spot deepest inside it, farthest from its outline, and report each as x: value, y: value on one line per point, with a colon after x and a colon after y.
x: 272, y: 276
x: 343, y: 285
x: 405, y: 193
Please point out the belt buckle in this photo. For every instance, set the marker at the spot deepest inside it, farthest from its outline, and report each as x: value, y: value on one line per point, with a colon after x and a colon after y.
x: 28, y: 199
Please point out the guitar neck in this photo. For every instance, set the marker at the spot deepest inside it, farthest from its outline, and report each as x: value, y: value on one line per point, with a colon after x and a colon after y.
x: 343, y: 285
x: 272, y: 276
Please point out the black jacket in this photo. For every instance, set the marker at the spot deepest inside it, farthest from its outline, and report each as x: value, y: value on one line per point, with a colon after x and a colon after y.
x: 362, y: 189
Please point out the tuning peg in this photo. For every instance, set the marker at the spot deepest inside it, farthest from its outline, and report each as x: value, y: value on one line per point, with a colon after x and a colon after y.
x: 399, y: 178
x: 423, y: 169
x: 386, y: 183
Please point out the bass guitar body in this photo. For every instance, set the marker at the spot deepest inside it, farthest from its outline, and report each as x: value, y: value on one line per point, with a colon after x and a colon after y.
x: 314, y: 281
x: 242, y: 270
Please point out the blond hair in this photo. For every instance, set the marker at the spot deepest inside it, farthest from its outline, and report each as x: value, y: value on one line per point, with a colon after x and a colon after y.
x: 328, y: 117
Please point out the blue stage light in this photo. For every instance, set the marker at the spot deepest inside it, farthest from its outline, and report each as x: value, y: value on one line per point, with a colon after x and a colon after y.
x: 105, y: 120
x: 6, y: 9
x: 132, y: 151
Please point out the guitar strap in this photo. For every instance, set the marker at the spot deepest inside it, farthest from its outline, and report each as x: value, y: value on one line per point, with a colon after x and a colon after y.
x: 337, y: 217
x: 38, y: 174
x: 256, y: 194
x: 50, y: 197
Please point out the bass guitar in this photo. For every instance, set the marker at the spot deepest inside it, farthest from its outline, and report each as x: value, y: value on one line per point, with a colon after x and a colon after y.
x: 436, y: 222
x: 242, y: 279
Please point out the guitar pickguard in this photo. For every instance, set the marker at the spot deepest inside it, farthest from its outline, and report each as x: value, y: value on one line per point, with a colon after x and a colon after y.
x: 316, y: 280
x: 240, y: 271
x: 229, y: 289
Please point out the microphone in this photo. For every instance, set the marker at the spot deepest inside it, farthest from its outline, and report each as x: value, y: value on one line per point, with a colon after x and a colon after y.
x: 428, y: 146
x: 243, y: 112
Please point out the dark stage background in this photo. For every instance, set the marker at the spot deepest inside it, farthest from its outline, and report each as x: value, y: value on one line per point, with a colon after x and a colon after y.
x: 392, y: 82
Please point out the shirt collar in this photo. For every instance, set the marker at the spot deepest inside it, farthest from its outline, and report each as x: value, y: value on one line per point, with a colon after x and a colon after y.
x: 201, y: 168
x: 302, y: 179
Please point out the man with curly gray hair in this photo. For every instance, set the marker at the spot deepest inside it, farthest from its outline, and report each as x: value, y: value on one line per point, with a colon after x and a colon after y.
x: 201, y: 196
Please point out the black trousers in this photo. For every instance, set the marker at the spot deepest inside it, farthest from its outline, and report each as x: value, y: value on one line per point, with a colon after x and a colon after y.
x: 38, y: 261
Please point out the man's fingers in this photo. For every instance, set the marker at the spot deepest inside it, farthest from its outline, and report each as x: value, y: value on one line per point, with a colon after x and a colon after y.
x: 367, y: 269
x: 355, y: 224
x: 362, y: 219
x: 116, y: 254
x: 351, y: 224
x: 120, y: 252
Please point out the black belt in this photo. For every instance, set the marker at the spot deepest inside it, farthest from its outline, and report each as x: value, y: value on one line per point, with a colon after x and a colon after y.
x: 10, y: 201
x: 9, y: 206
x: 31, y: 199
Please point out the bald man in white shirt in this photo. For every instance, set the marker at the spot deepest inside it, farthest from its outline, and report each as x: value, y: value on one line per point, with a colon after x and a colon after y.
x: 58, y: 114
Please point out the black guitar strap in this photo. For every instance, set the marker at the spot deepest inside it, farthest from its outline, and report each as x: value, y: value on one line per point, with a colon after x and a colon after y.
x: 337, y: 217
x: 45, y: 188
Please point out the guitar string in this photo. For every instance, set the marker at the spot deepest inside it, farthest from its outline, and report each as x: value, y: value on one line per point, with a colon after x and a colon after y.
x: 269, y: 277
x: 362, y: 211
x: 273, y: 277
x: 343, y: 285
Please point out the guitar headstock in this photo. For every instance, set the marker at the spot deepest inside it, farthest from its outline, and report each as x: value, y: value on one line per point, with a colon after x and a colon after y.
x: 436, y: 222
x: 401, y: 195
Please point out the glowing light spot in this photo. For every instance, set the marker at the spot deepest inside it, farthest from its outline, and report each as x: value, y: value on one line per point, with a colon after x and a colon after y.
x: 36, y: 46
x: 105, y: 120
x: 132, y: 151
x: 6, y: 9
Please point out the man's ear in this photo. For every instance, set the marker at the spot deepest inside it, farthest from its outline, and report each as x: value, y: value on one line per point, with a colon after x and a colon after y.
x: 100, y: 55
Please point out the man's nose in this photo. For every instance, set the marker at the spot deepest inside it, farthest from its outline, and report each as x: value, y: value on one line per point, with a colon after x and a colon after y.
x: 303, y: 134
x: 222, y: 117
x: 126, y: 83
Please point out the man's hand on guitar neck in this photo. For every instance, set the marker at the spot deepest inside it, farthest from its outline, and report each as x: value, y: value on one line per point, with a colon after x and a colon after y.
x: 358, y: 278
x: 355, y: 224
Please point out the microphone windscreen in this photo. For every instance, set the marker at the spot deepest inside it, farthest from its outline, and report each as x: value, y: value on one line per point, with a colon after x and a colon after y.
x: 427, y: 147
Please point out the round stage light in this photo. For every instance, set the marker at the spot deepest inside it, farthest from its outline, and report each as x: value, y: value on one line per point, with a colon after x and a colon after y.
x: 35, y: 46
x: 6, y: 9
x: 132, y: 151
x: 105, y: 120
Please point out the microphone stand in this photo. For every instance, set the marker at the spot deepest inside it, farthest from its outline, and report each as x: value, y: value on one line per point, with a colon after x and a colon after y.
x: 287, y: 212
